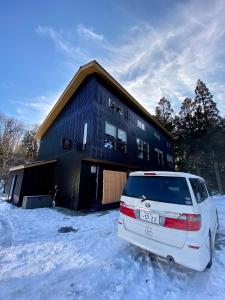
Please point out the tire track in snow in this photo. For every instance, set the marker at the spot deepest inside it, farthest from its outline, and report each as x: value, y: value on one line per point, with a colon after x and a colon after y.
x: 5, y: 233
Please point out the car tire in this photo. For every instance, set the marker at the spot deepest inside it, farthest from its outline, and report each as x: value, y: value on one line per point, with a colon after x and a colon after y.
x: 210, y: 252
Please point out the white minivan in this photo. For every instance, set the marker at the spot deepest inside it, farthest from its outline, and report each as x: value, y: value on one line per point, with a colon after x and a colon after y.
x: 170, y: 214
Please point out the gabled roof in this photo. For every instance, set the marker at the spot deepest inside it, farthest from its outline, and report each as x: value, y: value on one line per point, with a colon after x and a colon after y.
x: 84, y: 71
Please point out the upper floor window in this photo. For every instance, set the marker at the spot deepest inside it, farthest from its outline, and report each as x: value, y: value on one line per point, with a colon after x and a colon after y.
x: 159, y: 156
x: 115, y: 138
x: 168, y: 145
x: 115, y: 106
x: 142, y: 149
x: 140, y: 124
x: 157, y: 136
x: 121, y: 140
x: 170, y: 161
x: 110, y: 136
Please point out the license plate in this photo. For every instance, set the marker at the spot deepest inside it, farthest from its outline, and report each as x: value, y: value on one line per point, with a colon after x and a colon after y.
x: 149, y: 216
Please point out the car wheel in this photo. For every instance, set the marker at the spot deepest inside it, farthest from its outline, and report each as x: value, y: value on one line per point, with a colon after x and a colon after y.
x: 210, y: 252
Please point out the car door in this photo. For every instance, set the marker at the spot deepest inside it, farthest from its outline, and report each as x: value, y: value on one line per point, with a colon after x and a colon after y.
x: 205, y: 205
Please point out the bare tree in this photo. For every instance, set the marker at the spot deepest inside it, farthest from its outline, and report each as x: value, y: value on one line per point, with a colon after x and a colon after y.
x: 11, y: 132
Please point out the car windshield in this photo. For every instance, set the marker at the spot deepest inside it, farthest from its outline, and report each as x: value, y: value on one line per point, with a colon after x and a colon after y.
x: 159, y: 188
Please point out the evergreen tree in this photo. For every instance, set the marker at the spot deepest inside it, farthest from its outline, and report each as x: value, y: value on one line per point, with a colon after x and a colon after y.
x: 30, y: 145
x: 185, y: 122
x: 165, y: 114
x: 206, y: 114
x: 200, y: 138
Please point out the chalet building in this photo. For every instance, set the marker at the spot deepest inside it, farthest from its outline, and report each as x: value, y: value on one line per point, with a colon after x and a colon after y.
x: 95, y: 134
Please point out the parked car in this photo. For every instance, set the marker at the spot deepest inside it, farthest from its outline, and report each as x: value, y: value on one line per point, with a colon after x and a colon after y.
x: 170, y: 214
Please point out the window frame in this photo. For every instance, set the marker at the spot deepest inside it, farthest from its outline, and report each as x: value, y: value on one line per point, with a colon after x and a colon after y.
x: 105, y: 133
x: 160, y: 152
x: 115, y: 107
x: 124, y: 141
x: 144, y: 155
x: 115, y: 140
x: 170, y: 160
x: 140, y: 124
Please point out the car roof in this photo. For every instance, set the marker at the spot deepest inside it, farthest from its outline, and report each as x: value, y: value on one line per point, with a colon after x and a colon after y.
x: 165, y: 173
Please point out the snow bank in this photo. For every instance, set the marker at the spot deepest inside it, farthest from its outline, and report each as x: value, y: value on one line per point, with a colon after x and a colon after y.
x: 38, y: 262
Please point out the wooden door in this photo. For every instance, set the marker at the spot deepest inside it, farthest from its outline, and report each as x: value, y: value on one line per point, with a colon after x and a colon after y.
x: 113, y: 184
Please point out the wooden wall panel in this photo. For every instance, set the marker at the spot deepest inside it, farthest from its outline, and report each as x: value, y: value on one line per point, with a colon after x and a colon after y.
x: 113, y: 184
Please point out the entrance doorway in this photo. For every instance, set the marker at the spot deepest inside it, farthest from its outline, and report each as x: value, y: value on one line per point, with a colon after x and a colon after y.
x: 12, y: 187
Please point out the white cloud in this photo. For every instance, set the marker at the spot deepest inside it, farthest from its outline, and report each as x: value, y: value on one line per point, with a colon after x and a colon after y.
x: 164, y: 60
x: 34, y: 110
x: 169, y: 61
x: 89, y: 33
x: 62, y: 44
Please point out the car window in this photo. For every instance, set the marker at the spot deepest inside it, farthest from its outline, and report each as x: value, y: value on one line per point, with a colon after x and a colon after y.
x: 199, y: 189
x: 159, y: 188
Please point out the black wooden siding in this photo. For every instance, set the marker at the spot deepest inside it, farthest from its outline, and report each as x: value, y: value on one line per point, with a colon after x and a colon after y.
x: 37, y: 180
x: 127, y: 122
x: 90, y: 104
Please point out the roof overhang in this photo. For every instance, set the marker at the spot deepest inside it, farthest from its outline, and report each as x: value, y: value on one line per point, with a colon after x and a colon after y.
x: 79, y: 77
x: 31, y: 165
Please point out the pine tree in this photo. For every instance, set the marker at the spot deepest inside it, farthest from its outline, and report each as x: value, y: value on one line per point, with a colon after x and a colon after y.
x: 165, y: 114
x: 185, y: 121
x: 30, y: 145
x: 200, y: 135
x: 206, y: 114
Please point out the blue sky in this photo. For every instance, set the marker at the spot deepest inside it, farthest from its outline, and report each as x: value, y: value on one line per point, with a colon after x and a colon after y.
x: 153, y: 48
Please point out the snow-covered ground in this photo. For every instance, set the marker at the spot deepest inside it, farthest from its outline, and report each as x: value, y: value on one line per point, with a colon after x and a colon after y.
x: 38, y: 262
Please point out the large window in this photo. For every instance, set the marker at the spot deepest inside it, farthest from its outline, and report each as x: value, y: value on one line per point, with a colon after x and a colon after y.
x: 159, y: 154
x: 199, y: 189
x: 142, y: 149
x: 115, y: 138
x: 159, y: 188
x: 110, y: 136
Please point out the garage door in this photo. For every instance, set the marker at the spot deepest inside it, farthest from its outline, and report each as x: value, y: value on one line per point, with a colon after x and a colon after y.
x: 113, y: 184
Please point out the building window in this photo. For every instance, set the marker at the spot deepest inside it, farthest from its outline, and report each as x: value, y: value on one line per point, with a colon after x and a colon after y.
x: 113, y: 105
x: 115, y: 138
x: 157, y: 136
x: 146, y: 151
x: 142, y: 149
x: 121, y: 141
x: 168, y: 144
x: 66, y: 143
x: 110, y: 136
x: 139, y: 148
x: 170, y: 161
x: 159, y: 156
x: 140, y: 125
